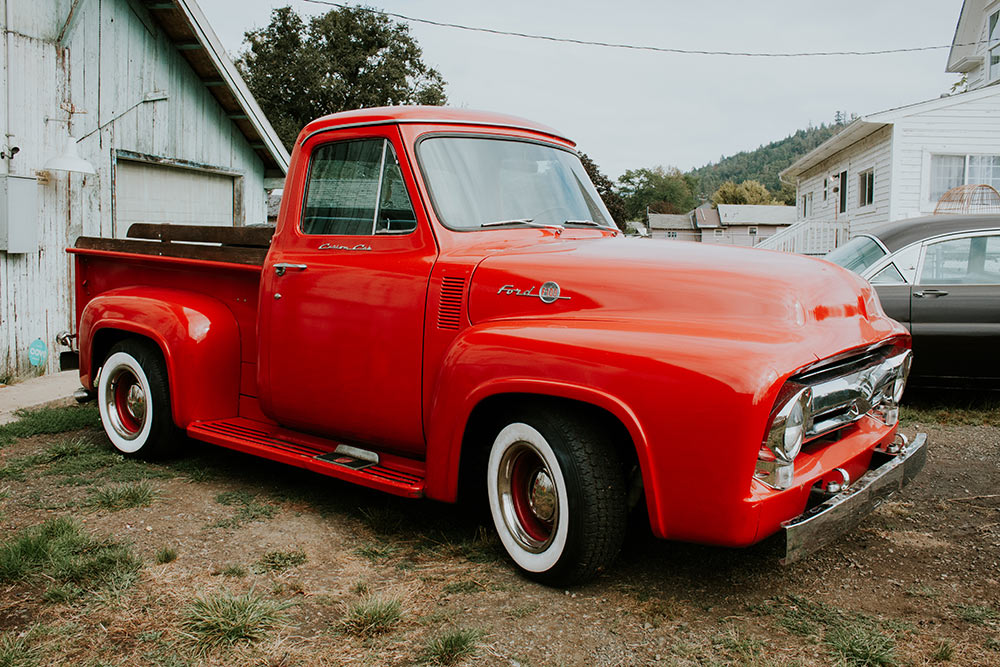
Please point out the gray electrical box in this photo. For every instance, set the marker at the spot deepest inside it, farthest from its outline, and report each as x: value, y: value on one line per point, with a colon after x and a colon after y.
x: 18, y: 214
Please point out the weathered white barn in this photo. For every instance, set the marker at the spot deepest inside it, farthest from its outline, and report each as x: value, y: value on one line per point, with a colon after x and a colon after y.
x: 155, y: 106
x: 897, y: 163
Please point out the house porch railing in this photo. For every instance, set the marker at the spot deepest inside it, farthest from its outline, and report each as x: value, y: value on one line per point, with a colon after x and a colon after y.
x: 808, y: 237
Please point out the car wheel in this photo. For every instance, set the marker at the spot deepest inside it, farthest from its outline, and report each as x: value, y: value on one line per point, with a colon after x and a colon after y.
x: 133, y: 397
x: 557, y: 496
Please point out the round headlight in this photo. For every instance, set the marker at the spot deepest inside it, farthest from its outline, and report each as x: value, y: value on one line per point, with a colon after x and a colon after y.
x: 899, y: 384
x: 795, y: 430
x: 788, y: 429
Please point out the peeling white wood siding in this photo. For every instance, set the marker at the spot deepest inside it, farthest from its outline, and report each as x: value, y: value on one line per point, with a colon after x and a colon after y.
x: 110, y: 59
x: 872, y: 152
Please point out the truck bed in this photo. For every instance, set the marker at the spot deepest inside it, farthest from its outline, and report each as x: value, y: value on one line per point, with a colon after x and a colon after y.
x: 234, y: 245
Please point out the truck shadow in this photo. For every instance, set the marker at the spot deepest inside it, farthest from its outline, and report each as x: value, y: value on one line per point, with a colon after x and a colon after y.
x: 466, y: 531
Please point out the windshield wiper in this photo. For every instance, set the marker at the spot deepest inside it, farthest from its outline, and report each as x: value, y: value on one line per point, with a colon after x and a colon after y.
x: 524, y: 221
x: 591, y: 223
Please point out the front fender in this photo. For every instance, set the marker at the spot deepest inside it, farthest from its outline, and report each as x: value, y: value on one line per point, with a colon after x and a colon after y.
x: 695, y: 407
x: 198, y: 335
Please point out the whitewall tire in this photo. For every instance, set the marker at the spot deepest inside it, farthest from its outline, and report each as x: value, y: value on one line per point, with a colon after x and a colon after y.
x: 557, y: 495
x: 133, y: 397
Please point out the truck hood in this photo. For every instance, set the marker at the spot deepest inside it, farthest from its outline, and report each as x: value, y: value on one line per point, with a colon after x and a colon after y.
x: 674, y: 286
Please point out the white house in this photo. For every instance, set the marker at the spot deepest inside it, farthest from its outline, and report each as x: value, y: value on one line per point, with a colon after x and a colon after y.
x: 162, y: 121
x: 747, y: 224
x: 897, y: 163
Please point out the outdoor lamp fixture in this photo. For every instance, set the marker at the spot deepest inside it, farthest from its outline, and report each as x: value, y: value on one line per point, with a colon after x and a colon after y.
x: 69, y: 160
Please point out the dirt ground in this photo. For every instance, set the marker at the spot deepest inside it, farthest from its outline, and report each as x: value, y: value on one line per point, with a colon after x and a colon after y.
x: 916, y: 584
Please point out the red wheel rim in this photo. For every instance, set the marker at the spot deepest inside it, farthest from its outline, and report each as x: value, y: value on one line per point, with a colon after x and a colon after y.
x: 526, y: 470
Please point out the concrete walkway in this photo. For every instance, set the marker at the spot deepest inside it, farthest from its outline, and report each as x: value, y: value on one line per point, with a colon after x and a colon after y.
x: 37, y: 391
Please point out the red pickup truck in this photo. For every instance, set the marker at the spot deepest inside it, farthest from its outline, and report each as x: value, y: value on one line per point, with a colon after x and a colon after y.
x: 446, y: 305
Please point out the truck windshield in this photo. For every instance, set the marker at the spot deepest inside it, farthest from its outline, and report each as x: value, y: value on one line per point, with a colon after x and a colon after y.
x: 475, y: 181
x: 857, y: 254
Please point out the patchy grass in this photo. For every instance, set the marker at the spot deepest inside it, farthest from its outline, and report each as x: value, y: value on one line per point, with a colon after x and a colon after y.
x: 248, y: 508
x: 451, y: 646
x: 853, y: 639
x: 277, y: 561
x: 944, y: 651
x: 50, y: 420
x: 231, y: 570
x: 372, y: 615
x: 123, y: 496
x: 977, y: 614
x: 860, y: 644
x: 223, y: 619
x: 59, y: 553
x: 16, y: 651
x: 954, y: 409
x: 461, y: 587
x: 82, y: 462
x: 377, y: 552
x: 166, y: 555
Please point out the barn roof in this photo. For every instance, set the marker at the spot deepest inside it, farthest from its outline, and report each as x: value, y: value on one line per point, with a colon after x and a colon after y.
x: 186, y: 26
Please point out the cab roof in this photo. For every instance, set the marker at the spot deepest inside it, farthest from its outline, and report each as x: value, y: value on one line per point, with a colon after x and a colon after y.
x: 901, y: 233
x: 428, y: 114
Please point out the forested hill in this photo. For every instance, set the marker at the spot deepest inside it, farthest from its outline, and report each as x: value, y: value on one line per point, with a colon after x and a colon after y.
x: 764, y: 163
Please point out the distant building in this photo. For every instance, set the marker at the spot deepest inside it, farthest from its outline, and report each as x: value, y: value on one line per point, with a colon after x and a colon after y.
x: 729, y: 224
x: 898, y: 163
x: 747, y: 224
x: 672, y: 226
x: 164, y: 130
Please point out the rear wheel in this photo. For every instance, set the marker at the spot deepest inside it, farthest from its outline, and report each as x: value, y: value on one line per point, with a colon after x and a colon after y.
x: 133, y: 396
x: 557, y: 495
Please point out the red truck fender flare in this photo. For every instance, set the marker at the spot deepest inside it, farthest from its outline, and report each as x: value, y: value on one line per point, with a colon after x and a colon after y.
x: 197, y: 334
x: 445, y: 438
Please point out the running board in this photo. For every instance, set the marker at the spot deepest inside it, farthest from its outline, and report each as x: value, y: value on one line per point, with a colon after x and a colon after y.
x: 392, y: 474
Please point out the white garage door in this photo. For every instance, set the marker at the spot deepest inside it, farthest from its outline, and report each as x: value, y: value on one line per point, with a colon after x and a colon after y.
x: 155, y: 193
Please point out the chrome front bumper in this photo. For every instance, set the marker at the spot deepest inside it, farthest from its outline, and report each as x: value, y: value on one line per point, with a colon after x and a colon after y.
x: 824, y: 523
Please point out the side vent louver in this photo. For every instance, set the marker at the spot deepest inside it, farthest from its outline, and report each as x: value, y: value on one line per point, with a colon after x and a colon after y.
x: 450, y: 304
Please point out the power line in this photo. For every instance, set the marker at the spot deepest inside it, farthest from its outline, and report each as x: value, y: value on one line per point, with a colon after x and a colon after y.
x: 635, y: 47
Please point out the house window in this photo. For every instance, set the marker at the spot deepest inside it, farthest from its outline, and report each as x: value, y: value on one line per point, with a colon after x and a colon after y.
x: 807, y: 205
x: 950, y: 171
x: 843, y: 191
x: 825, y: 183
x: 866, y: 187
x: 994, y: 45
x: 719, y: 233
x: 752, y: 231
x: 671, y: 235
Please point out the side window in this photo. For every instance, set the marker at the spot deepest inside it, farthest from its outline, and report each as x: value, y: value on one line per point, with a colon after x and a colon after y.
x: 889, y: 275
x: 970, y: 261
x: 356, y: 188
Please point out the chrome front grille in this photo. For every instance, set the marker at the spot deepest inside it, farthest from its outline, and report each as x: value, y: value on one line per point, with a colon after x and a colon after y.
x: 846, y: 388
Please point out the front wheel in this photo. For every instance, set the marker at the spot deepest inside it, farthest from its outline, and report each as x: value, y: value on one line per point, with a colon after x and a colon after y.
x: 557, y: 495
x: 133, y: 396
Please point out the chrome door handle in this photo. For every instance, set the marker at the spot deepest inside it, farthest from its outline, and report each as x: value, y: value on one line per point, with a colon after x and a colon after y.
x: 281, y: 268
x: 930, y: 292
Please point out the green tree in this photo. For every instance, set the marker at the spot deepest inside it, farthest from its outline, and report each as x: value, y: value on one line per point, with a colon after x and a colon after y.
x: 606, y: 188
x: 348, y: 58
x: 747, y: 192
x: 658, y: 190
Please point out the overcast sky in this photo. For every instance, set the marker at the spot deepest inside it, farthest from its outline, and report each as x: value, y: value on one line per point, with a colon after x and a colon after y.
x: 630, y: 109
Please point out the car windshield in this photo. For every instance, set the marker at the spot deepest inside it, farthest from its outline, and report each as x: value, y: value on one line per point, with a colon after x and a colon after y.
x: 477, y: 181
x: 857, y: 254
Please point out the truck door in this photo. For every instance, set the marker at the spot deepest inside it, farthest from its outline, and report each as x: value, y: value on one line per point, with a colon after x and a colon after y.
x: 343, y: 293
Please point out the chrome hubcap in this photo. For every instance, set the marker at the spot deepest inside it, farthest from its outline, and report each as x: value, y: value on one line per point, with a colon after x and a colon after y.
x: 543, y: 496
x: 125, y: 401
x: 529, y: 501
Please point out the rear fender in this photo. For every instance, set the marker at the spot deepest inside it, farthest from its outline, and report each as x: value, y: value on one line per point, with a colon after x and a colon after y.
x: 197, y: 334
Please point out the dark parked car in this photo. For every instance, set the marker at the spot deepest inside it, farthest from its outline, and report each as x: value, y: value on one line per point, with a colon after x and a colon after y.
x: 940, y: 276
